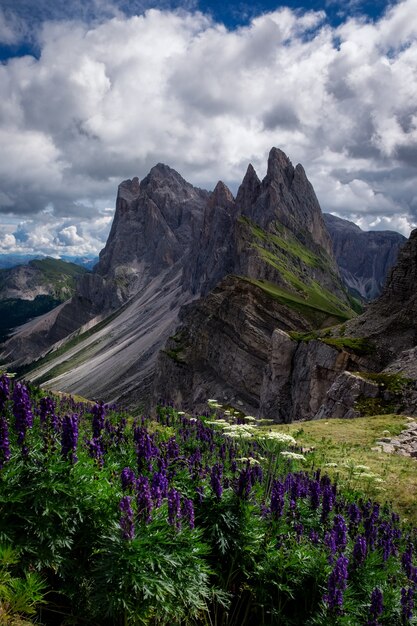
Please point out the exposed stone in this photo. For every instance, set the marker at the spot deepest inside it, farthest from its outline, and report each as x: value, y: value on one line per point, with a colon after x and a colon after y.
x: 364, y: 258
x: 341, y: 398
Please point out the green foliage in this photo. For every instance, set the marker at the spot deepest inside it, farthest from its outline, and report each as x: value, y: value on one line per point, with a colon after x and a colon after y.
x: 394, y: 383
x: 357, y: 345
x: 14, y: 312
x: 247, y: 560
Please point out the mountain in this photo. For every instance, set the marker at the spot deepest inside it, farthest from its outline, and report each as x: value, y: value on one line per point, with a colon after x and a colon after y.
x: 364, y: 258
x: 30, y: 290
x: 8, y: 260
x: 254, y: 262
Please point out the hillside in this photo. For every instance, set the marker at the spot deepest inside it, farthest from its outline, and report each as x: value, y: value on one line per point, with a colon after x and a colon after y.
x: 30, y: 290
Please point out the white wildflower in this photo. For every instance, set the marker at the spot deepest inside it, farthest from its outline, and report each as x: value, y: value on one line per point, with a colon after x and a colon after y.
x: 362, y: 468
x: 250, y: 418
x: 280, y: 437
x: 293, y: 455
x: 330, y: 465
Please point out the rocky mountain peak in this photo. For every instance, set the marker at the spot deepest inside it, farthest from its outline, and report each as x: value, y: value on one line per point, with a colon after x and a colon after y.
x: 280, y: 168
x: 222, y: 196
x: 249, y: 190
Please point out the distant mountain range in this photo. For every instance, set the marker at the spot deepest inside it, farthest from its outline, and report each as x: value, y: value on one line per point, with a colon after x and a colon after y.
x: 364, y: 258
x: 34, y: 288
x: 8, y: 260
x: 202, y: 295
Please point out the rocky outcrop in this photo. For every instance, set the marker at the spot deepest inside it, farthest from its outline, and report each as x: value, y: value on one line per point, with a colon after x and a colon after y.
x: 389, y: 321
x: 364, y: 258
x: 341, y: 398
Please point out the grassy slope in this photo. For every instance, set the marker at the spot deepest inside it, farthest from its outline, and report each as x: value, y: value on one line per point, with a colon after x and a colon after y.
x: 285, y: 253
x: 349, y: 443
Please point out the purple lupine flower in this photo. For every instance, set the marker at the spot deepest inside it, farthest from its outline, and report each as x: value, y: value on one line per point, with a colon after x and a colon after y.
x: 340, y: 532
x: 127, y: 478
x: 187, y: 511
x: 173, y: 449
x: 144, y: 499
x: 314, y: 537
x: 174, y: 508
x: 4, y: 391
x: 299, y: 529
x: 315, y: 492
x: 244, y: 484
x: 4, y: 441
x: 145, y: 448
x: 359, y: 550
x: 407, y: 604
x: 159, y: 487
x: 376, y: 608
x: 46, y: 410
x: 277, y: 498
x: 371, y: 530
x: 336, y: 585
x: 126, y: 521
x: 327, y: 501
x: 330, y: 542
x: 216, y: 479
x: 386, y: 540
x: 96, y: 450
x: 354, y: 516
x: 69, y: 438
x: 99, y: 414
x: 407, y: 561
x: 22, y: 410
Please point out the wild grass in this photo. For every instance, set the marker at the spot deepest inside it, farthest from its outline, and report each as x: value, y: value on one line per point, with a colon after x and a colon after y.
x: 342, y: 445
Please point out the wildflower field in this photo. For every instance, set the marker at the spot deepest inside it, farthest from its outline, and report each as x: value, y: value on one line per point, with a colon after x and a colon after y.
x: 177, y: 520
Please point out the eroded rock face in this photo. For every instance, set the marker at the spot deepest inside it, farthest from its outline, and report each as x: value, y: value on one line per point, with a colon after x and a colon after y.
x: 364, y: 258
x: 151, y: 235
x: 343, y: 394
x: 390, y: 321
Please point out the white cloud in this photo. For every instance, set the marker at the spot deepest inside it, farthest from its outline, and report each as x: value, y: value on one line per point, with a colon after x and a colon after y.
x: 105, y: 102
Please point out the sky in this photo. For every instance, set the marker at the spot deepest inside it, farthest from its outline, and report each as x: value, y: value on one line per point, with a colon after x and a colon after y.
x: 93, y: 92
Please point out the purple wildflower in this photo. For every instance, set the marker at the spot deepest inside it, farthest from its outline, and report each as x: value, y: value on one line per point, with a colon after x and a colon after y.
x: 99, y: 414
x: 22, y: 410
x: 174, y: 508
x: 376, y: 608
x: 315, y: 492
x: 327, y: 501
x: 314, y: 537
x: 4, y: 441
x: 187, y: 511
x: 359, y: 550
x: 127, y: 478
x: 126, y: 520
x: 144, y: 499
x: 407, y: 561
x: 277, y: 498
x: 216, y: 479
x: 340, y: 532
x: 407, y: 604
x: 159, y: 487
x: 244, y: 484
x: 336, y: 585
x: 4, y: 391
x: 69, y: 438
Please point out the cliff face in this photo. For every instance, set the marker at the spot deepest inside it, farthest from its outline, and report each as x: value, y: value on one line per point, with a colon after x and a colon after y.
x: 150, y: 237
x: 390, y: 321
x: 364, y: 258
x: 270, y: 256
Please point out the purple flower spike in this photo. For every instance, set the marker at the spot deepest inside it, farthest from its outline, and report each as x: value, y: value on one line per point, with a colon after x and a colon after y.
x: 126, y: 521
x: 277, y: 498
x: 336, y: 586
x: 69, y: 437
x: 99, y: 414
x: 127, y: 478
x: 22, y: 410
x: 144, y: 499
x: 4, y: 391
x: 359, y: 550
x: 174, y: 508
x: 377, y: 607
x: 187, y: 511
x: 4, y: 441
x: 407, y: 604
x: 216, y: 479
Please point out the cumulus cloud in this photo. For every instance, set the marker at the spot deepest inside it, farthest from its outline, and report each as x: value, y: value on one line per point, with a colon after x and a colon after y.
x: 107, y: 100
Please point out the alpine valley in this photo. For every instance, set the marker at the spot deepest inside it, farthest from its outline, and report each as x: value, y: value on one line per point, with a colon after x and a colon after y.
x: 255, y: 300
